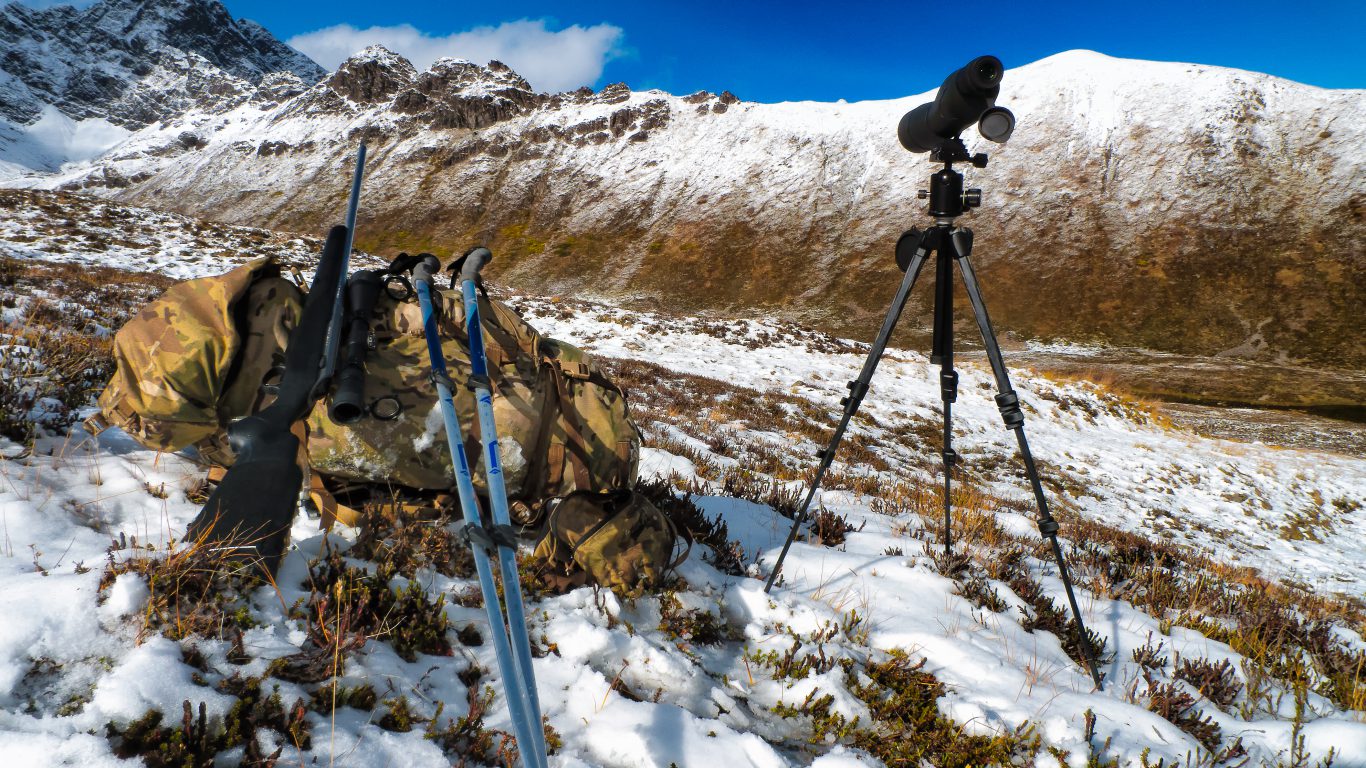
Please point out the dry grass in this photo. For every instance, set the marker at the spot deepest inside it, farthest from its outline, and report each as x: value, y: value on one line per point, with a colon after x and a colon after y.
x: 58, y: 352
x: 194, y: 591
x: 1284, y: 631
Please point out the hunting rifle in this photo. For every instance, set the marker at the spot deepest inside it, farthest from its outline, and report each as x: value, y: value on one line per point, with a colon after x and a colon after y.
x: 250, y: 513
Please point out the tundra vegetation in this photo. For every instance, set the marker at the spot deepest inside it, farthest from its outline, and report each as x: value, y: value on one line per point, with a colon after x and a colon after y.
x: 401, y: 586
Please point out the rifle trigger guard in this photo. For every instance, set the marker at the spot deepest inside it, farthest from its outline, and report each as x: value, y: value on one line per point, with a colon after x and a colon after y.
x: 270, y: 383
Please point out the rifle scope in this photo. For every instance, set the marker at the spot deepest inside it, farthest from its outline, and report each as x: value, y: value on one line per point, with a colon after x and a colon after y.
x: 348, y: 400
x: 967, y: 96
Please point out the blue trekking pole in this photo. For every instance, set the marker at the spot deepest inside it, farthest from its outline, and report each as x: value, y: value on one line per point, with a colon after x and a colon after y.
x: 517, y: 682
x: 493, y: 474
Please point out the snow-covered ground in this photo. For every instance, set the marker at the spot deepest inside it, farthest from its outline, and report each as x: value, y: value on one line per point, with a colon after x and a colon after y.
x: 82, y: 230
x: 619, y: 682
x: 1234, y: 500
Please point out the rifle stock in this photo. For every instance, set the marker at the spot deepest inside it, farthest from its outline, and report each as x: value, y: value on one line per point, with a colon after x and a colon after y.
x: 251, y: 511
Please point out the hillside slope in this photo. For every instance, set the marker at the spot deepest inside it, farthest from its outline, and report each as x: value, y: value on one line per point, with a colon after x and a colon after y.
x: 1207, y: 569
x: 1171, y: 206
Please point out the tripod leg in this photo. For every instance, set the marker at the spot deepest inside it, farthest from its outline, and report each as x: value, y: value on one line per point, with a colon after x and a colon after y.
x: 920, y: 248
x: 1009, y: 403
x: 942, y: 353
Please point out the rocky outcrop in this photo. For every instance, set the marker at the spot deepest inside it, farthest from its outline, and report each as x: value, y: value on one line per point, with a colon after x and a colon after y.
x: 371, y: 76
x: 178, y: 81
x: 277, y: 88
x: 133, y: 62
x: 458, y: 94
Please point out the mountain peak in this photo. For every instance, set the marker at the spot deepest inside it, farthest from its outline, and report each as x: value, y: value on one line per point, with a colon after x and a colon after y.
x: 372, y: 75
x: 455, y: 93
x: 84, y: 61
x: 240, y: 47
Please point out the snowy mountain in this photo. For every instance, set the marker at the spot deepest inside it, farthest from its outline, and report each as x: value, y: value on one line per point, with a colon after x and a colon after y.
x: 74, y: 82
x: 1222, y: 578
x: 1170, y: 206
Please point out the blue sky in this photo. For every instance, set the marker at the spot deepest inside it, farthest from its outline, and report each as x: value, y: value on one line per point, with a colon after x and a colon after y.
x: 825, y: 51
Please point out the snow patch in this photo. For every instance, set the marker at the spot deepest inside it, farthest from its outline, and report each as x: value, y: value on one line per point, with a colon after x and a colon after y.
x: 54, y: 140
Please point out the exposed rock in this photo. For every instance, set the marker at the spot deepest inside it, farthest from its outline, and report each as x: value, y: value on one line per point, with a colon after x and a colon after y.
x: 651, y: 114
x: 177, y: 82
x: 277, y: 88
x: 458, y: 94
x: 612, y: 94
x: 132, y: 61
x: 372, y: 76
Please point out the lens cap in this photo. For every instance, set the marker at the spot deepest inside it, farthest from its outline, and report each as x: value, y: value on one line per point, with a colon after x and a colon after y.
x: 996, y: 124
x: 386, y: 408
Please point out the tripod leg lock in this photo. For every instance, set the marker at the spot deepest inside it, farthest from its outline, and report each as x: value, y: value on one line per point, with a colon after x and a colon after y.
x: 948, y: 386
x: 951, y: 457
x: 911, y: 241
x: 857, y: 391
x: 1009, y: 403
x: 1049, y: 527
x: 962, y: 242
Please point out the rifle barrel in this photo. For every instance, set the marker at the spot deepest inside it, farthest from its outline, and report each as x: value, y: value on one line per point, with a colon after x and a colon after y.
x: 334, y: 329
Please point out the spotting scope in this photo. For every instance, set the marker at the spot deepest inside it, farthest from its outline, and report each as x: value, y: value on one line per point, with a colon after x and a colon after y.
x: 967, y: 96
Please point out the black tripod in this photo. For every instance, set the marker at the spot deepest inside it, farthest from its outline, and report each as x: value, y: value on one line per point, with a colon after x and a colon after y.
x: 948, y: 200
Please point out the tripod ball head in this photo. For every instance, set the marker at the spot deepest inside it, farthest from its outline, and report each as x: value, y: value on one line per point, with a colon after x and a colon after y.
x: 967, y: 96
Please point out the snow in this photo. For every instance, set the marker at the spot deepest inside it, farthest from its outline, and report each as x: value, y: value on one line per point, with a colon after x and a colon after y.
x: 74, y: 658
x: 997, y: 674
x: 1172, y: 484
x: 55, y: 140
x: 142, y: 240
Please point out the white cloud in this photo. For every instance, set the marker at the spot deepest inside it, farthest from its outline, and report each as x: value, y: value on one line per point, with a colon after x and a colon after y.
x: 550, y: 60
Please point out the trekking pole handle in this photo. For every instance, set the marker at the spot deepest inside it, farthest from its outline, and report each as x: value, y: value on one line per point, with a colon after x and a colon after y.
x: 474, y: 262
x: 425, y: 269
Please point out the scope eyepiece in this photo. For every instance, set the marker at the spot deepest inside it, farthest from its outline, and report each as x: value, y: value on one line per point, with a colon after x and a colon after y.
x: 967, y: 96
x: 984, y: 72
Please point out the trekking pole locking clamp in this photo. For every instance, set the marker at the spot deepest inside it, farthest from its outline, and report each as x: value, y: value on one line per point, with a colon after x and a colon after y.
x: 488, y: 538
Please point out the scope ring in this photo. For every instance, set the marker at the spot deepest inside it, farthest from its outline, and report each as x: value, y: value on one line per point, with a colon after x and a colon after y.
x: 386, y: 408
x: 402, y: 282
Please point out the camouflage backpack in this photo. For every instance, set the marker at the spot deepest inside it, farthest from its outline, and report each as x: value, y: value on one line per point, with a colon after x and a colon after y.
x: 617, y: 539
x: 195, y: 359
